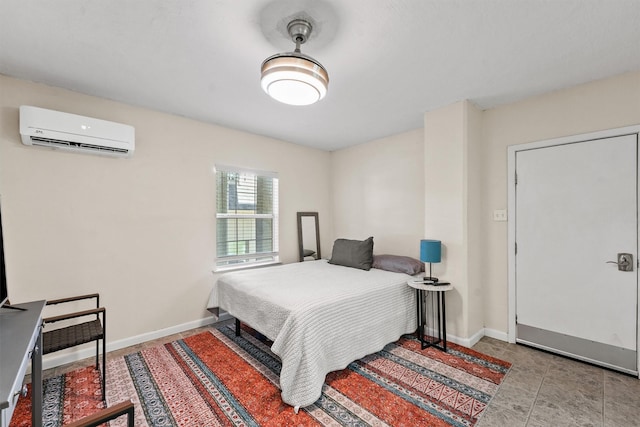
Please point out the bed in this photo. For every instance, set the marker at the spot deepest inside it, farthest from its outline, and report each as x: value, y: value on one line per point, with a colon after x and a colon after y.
x: 320, y: 316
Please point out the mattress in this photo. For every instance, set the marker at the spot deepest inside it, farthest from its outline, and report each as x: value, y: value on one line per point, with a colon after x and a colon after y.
x: 320, y: 316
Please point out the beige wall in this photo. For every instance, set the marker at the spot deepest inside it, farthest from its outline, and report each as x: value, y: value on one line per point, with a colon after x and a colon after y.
x: 600, y: 105
x: 475, y: 203
x: 464, y: 164
x: 140, y: 230
x: 445, y: 205
x: 452, y: 184
x: 378, y: 190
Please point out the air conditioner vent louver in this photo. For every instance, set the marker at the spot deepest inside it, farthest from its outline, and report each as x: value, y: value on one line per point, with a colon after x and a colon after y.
x: 48, y: 142
x: 70, y: 132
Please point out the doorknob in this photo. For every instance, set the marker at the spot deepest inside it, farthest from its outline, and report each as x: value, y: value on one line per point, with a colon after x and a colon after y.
x: 625, y: 262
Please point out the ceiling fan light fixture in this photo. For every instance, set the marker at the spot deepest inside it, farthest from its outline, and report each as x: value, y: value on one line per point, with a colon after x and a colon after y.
x: 294, y: 78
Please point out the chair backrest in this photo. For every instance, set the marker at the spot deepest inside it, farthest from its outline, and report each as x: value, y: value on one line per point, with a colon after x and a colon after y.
x: 107, y: 414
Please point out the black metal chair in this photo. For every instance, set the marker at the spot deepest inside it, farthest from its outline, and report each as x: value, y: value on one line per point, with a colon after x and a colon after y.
x: 107, y: 414
x: 80, y: 333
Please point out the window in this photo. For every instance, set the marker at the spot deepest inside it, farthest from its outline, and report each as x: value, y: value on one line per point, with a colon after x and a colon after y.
x: 246, y: 218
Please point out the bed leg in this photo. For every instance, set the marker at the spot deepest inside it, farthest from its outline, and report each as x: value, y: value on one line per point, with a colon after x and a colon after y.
x: 237, y: 327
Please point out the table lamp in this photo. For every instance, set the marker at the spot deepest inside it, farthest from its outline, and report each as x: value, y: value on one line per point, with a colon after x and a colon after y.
x: 430, y: 251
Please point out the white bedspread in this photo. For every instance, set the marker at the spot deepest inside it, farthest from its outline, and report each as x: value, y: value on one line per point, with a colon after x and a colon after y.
x: 320, y: 316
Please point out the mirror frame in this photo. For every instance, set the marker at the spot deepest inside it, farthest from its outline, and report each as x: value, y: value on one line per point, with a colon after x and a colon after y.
x: 300, y: 243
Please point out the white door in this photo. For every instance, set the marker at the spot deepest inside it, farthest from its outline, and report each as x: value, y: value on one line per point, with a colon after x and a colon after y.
x: 576, y: 210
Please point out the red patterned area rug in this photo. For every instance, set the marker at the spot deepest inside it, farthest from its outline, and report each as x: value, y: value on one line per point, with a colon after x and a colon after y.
x: 65, y: 398
x: 217, y: 379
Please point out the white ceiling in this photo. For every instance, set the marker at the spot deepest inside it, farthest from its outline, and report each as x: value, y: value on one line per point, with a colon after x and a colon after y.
x: 388, y: 61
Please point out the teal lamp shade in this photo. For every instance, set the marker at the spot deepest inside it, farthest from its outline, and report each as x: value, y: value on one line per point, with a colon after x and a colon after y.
x: 430, y: 251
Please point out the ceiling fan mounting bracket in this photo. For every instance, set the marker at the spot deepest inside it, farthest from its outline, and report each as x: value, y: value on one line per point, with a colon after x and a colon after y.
x: 299, y: 30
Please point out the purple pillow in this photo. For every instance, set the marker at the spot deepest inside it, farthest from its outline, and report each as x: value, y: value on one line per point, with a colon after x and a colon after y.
x: 398, y: 264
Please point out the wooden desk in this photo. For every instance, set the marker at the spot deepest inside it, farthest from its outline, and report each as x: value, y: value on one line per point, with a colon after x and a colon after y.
x: 20, y: 341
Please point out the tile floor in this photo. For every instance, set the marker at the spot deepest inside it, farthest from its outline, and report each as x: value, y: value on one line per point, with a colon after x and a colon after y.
x: 541, y: 389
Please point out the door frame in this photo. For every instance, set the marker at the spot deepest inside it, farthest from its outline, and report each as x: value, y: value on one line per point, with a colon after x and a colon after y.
x: 512, y: 150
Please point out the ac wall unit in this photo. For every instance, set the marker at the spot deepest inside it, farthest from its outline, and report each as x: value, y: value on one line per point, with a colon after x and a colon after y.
x: 70, y: 132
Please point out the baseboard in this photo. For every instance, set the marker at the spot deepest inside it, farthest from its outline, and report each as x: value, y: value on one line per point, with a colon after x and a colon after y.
x: 473, y: 339
x: 499, y: 335
x: 465, y: 342
x: 53, y: 360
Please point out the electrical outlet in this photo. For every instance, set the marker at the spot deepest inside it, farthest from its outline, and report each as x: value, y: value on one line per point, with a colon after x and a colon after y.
x: 500, y: 215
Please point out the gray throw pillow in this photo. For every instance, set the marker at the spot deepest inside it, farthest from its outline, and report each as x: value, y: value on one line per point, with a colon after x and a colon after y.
x: 398, y: 264
x: 353, y: 253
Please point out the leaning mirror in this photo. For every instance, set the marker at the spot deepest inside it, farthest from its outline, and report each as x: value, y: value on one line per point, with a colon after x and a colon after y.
x: 308, y: 236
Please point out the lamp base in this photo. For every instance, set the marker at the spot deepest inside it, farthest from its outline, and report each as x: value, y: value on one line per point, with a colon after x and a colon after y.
x: 430, y: 279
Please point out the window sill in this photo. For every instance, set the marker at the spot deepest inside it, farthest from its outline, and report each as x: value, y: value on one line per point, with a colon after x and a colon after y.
x: 245, y: 267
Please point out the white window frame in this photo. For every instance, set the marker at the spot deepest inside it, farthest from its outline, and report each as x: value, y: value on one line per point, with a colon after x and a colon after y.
x: 248, y: 260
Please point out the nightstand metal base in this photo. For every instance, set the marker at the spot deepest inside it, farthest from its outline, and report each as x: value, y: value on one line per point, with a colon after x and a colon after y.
x: 440, y: 326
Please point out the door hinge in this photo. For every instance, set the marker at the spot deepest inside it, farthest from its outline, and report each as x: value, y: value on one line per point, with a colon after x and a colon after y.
x: 516, y: 177
x: 516, y: 248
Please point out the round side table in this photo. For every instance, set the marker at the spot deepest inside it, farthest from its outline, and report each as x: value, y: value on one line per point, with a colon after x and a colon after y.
x: 437, y: 292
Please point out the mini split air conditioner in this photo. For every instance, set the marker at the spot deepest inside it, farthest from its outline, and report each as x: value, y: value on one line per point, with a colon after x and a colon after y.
x: 70, y: 132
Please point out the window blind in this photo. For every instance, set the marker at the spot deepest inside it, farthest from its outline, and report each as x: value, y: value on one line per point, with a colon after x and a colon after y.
x: 246, y: 217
